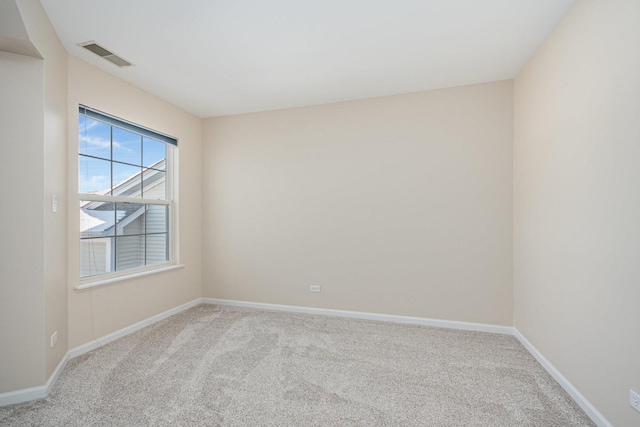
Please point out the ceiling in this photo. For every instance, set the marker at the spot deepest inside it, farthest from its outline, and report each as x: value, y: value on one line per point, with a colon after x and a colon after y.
x: 222, y: 57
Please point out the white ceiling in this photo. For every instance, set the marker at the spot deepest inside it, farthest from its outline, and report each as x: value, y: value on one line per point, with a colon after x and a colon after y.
x: 221, y: 57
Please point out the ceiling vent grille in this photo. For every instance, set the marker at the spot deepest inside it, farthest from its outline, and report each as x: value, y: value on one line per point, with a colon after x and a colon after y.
x: 105, y: 54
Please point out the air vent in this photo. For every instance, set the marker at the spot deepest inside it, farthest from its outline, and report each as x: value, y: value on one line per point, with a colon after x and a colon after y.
x: 105, y: 54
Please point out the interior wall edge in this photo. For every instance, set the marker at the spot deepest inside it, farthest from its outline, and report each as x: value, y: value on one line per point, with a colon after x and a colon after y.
x: 575, y: 394
x: 380, y: 317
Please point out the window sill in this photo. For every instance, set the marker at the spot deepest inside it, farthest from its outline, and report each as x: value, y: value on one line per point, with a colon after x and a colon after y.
x: 88, y: 284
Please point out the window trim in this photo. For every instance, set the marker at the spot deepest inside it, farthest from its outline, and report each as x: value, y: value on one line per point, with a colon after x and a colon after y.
x: 132, y: 273
x: 170, y: 202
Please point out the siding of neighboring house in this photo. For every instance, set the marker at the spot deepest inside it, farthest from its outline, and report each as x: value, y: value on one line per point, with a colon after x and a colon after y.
x: 156, y: 223
x: 156, y: 244
x: 95, y: 256
x: 130, y: 250
x: 156, y: 249
x: 157, y: 191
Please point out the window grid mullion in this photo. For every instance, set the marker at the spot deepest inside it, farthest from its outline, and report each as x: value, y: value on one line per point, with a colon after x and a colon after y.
x: 155, y: 233
x: 146, y: 168
x: 103, y: 198
x: 142, y: 171
x: 146, y: 209
x: 115, y: 206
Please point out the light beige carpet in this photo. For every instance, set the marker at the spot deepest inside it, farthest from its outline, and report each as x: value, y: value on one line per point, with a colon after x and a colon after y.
x: 215, y: 365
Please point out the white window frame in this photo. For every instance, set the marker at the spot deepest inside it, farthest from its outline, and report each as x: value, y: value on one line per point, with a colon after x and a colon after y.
x: 169, y: 201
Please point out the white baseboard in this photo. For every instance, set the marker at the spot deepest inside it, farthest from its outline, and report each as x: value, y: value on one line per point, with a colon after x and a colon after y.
x: 578, y: 397
x: 24, y: 395
x: 452, y: 324
x: 56, y: 373
x: 32, y: 393
x: 92, y: 345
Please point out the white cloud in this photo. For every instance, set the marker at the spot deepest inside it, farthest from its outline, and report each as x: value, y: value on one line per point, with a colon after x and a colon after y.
x: 90, y: 124
x: 96, y: 141
x: 99, y: 179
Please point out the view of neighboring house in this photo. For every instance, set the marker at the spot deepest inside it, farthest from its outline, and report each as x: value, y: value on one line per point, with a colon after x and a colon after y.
x: 137, y: 232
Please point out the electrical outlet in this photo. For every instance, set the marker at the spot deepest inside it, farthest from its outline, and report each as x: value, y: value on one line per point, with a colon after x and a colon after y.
x: 314, y: 288
x: 634, y: 400
x: 54, y: 338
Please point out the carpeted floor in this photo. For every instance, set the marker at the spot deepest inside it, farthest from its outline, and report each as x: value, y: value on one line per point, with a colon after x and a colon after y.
x: 218, y: 365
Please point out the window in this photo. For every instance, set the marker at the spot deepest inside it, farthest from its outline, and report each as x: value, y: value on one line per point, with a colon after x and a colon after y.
x: 124, y: 179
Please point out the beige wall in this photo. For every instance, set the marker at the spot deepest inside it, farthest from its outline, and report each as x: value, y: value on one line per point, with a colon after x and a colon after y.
x: 21, y: 250
x: 34, y: 301
x: 398, y: 205
x: 44, y: 37
x: 106, y: 309
x: 577, y: 202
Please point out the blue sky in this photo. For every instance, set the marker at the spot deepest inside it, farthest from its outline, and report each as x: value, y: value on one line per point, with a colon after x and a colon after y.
x: 128, y: 147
